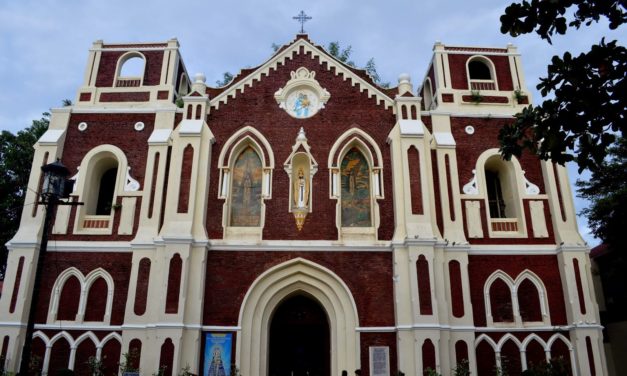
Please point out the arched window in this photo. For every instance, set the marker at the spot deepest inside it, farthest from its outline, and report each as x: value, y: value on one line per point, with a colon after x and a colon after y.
x: 102, y: 182
x: 478, y: 70
x: 103, y: 174
x: 355, y: 192
x: 76, y: 297
x: 503, y: 197
x: 501, y: 188
x: 481, y: 74
x: 130, y: 71
x: 356, y: 181
x: 106, y: 191
x: 246, y: 162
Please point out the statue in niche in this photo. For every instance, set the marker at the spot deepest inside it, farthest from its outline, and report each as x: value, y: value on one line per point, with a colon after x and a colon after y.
x: 300, y: 193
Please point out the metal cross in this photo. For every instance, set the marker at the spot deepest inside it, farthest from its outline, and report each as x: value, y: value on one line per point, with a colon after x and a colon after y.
x: 302, y: 18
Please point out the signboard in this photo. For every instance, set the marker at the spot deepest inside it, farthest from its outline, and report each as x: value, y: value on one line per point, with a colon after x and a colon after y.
x: 379, y: 361
x: 217, y: 361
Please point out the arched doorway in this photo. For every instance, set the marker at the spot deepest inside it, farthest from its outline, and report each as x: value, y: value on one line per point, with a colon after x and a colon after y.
x: 299, y: 339
x: 294, y: 277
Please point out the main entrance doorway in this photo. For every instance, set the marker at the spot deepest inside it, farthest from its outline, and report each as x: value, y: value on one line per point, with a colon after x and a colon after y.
x: 299, y: 339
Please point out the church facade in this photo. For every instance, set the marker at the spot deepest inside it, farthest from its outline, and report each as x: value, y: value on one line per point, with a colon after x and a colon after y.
x: 300, y: 220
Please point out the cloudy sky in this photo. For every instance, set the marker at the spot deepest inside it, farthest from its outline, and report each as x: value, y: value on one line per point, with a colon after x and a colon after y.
x: 44, y: 43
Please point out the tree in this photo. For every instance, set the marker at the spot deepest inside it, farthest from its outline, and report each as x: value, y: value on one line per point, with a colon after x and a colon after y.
x: 608, y: 193
x: 16, y: 154
x: 227, y: 77
x: 343, y: 55
x: 583, y: 120
x: 586, y: 114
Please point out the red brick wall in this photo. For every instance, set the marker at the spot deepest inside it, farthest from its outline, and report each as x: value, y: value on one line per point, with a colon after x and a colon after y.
x: 120, y: 132
x: 459, y: 77
x: 16, y: 284
x: 457, y: 297
x: 376, y: 339
x: 59, y: 355
x: 118, y: 265
x: 109, y: 60
x: 174, y: 284
x: 424, y: 286
x: 139, y: 96
x: 83, y: 352
x: 437, y: 201
x: 413, y: 160
x: 529, y: 301
x: 461, y: 351
x: 347, y: 108
x: 470, y: 147
x: 96, y: 301
x: 166, y: 358
x: 544, y: 266
x: 428, y: 356
x: 368, y: 275
x: 69, y: 299
x: 186, y: 178
x: 141, y: 291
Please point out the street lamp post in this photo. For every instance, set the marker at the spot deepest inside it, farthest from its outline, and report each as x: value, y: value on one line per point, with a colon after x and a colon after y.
x: 54, y: 187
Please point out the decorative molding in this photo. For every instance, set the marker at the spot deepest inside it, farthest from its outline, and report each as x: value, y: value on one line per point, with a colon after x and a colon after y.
x: 530, y: 188
x: 472, y: 188
x: 302, y: 96
x: 287, y: 54
x: 130, y: 184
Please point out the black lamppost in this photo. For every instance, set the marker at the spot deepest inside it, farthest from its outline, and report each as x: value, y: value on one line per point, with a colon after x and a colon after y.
x: 54, y: 187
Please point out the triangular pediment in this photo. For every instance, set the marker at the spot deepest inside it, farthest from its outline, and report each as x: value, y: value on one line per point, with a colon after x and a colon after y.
x: 302, y: 45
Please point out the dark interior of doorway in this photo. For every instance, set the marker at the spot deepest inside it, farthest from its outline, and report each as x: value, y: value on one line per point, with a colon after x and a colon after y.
x: 299, y: 339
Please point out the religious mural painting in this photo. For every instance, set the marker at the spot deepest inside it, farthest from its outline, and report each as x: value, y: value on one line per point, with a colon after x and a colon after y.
x: 246, y: 192
x: 217, y: 360
x: 355, y: 190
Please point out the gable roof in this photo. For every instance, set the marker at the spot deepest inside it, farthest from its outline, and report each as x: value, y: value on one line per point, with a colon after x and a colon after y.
x: 248, y: 77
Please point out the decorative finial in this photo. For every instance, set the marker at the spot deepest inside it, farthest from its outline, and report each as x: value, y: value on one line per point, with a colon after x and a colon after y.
x: 301, y: 135
x: 302, y: 18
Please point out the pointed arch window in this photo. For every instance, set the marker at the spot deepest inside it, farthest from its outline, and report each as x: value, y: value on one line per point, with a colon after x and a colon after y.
x: 355, y: 190
x: 356, y: 182
x: 246, y: 162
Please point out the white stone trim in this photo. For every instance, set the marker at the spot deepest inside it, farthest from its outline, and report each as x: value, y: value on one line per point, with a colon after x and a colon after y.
x: 490, y: 64
x: 513, y: 285
x: 85, y: 285
x: 49, y: 343
x: 522, y: 347
x: 279, y: 59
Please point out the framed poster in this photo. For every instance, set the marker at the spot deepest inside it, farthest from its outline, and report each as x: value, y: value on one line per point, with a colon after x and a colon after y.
x: 217, y: 360
x: 379, y: 361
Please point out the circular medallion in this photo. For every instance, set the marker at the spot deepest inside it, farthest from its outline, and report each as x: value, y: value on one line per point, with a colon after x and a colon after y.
x: 139, y: 126
x: 82, y: 126
x: 302, y: 103
x: 469, y: 129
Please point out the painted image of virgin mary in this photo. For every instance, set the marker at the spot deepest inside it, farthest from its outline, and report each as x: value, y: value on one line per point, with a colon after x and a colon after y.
x: 301, y: 106
x: 216, y: 368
